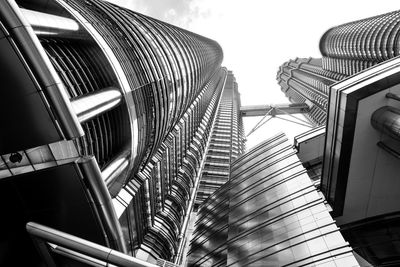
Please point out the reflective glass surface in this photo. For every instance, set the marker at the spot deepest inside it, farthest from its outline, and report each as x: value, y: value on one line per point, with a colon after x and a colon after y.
x: 268, y: 214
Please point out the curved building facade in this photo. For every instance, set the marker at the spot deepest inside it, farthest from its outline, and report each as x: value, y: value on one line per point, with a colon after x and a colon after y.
x: 361, y: 147
x: 268, y: 214
x: 226, y: 143
x: 305, y: 81
x: 346, y: 50
x: 122, y: 102
x: 355, y: 46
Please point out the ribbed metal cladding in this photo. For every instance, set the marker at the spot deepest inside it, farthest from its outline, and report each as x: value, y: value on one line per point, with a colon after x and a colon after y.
x: 387, y: 120
x: 166, y: 66
x: 268, y: 214
x: 305, y: 81
x: 168, y: 178
x: 352, y: 47
x: 80, y: 65
x: 226, y: 144
x: 176, y: 82
x: 347, y: 49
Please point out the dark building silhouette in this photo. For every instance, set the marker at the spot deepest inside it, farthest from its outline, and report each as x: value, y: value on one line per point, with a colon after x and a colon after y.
x: 108, y: 117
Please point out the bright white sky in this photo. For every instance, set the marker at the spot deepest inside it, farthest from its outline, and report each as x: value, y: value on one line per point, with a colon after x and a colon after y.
x: 257, y: 36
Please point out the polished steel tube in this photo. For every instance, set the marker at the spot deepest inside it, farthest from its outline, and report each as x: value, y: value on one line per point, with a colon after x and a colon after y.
x: 114, y: 172
x: 42, y: 22
x: 122, y: 79
x: 91, y: 105
x: 102, y: 200
x: 47, y: 76
x: 387, y: 121
x: 81, y: 249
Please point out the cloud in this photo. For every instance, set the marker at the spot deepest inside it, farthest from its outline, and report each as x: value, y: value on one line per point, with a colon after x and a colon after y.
x: 178, y: 12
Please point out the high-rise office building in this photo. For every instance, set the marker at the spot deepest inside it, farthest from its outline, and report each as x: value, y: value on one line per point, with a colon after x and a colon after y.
x: 226, y: 142
x: 256, y: 218
x: 305, y: 81
x: 109, y: 117
x: 268, y: 214
x: 360, y: 163
x: 346, y: 50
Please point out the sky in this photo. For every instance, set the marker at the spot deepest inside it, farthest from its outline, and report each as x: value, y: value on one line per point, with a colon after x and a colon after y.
x: 257, y: 36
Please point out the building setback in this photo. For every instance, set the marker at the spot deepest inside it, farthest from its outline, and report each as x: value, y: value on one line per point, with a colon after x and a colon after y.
x: 305, y: 81
x: 110, y: 115
x: 354, y: 90
x: 226, y: 142
x: 346, y: 50
x: 352, y: 162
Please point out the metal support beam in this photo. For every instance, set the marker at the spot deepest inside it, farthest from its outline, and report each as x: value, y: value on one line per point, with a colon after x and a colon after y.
x: 91, y: 105
x: 102, y: 202
x: 78, y: 249
x: 37, y: 60
x: 261, y: 110
x: 48, y: 24
x: 294, y: 117
x: 261, y: 123
x: 273, y: 111
x: 293, y: 121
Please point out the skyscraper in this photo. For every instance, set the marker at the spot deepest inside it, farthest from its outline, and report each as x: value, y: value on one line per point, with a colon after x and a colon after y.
x: 305, y: 81
x: 360, y: 159
x: 268, y: 214
x: 110, y: 115
x: 256, y: 218
x: 226, y: 142
x: 346, y: 50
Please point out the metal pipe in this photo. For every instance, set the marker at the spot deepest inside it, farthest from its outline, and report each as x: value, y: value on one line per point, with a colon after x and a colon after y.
x: 93, y: 104
x: 76, y: 248
x: 33, y: 52
x: 305, y: 121
x: 387, y: 120
x: 46, y: 22
x: 102, y: 200
x: 113, y: 173
x: 119, y: 73
x: 256, y: 127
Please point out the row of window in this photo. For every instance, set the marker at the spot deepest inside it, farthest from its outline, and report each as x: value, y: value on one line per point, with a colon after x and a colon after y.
x: 269, y: 214
x: 169, y: 174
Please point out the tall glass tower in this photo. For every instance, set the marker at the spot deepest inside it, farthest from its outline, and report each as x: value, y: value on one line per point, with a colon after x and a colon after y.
x: 110, y: 117
x: 226, y: 143
x: 332, y: 199
x: 354, y: 90
x: 346, y: 50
